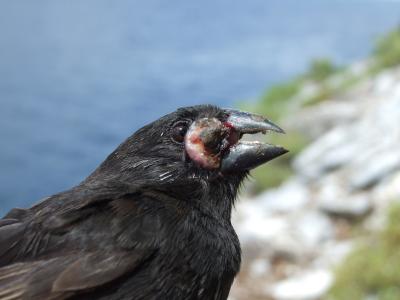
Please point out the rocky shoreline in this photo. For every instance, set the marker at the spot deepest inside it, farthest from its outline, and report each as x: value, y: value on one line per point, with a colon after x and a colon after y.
x: 294, y: 235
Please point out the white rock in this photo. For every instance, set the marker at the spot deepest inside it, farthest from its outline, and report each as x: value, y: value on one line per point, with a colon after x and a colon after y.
x: 388, y: 190
x: 289, y: 197
x: 333, y: 253
x: 313, y: 228
x: 330, y: 151
x: 327, y: 115
x: 352, y: 170
x: 287, y: 247
x: 384, y: 82
x: 262, y: 229
x: 383, y: 195
x: 309, y: 285
x: 376, y: 167
x: 259, y: 267
x: 352, y: 206
x: 331, y: 188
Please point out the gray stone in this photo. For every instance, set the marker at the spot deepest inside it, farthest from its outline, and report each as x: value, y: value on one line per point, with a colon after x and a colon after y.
x: 333, y: 253
x: 313, y: 228
x: 351, y: 170
x: 351, y: 207
x: 330, y: 151
x: 377, y: 167
x: 309, y: 285
x: 326, y: 115
x: 256, y: 226
x: 290, y: 196
x: 259, y: 267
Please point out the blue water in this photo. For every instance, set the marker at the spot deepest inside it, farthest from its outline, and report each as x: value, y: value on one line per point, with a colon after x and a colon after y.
x: 77, y: 77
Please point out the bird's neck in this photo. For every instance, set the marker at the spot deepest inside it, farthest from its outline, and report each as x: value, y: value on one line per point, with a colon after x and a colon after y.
x: 213, y: 198
x: 215, y: 195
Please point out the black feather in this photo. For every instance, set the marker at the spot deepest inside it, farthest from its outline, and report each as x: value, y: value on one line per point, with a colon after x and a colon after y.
x: 146, y: 224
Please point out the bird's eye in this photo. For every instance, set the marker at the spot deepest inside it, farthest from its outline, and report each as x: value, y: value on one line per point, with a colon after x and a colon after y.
x: 179, y: 131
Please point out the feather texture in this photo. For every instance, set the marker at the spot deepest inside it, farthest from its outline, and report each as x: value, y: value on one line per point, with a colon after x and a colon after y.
x: 146, y: 224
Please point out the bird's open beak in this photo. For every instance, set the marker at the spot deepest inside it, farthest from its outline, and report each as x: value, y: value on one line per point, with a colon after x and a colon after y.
x: 242, y: 155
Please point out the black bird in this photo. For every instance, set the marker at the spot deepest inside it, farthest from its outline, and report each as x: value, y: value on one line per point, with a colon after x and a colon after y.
x: 151, y: 222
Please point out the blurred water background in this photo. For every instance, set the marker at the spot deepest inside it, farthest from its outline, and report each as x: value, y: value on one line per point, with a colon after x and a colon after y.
x: 77, y: 77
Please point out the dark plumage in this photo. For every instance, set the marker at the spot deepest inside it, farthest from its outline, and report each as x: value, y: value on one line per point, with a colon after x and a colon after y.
x: 151, y: 222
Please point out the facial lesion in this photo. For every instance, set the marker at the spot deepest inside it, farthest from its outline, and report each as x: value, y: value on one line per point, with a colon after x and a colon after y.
x: 212, y: 140
x: 213, y: 134
x: 205, y: 140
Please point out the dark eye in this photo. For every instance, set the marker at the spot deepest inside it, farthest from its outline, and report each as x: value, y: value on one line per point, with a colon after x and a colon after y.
x: 179, y: 131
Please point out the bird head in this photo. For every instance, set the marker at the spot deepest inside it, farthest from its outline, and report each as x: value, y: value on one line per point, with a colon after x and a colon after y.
x: 198, y: 143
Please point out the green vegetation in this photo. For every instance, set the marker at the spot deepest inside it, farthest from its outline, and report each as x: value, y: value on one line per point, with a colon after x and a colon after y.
x: 326, y: 81
x: 321, y: 69
x: 373, y: 268
x: 387, y: 51
x: 277, y: 100
x: 274, y: 102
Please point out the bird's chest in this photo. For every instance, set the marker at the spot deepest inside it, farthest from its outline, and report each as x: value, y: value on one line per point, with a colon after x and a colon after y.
x: 206, y: 257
